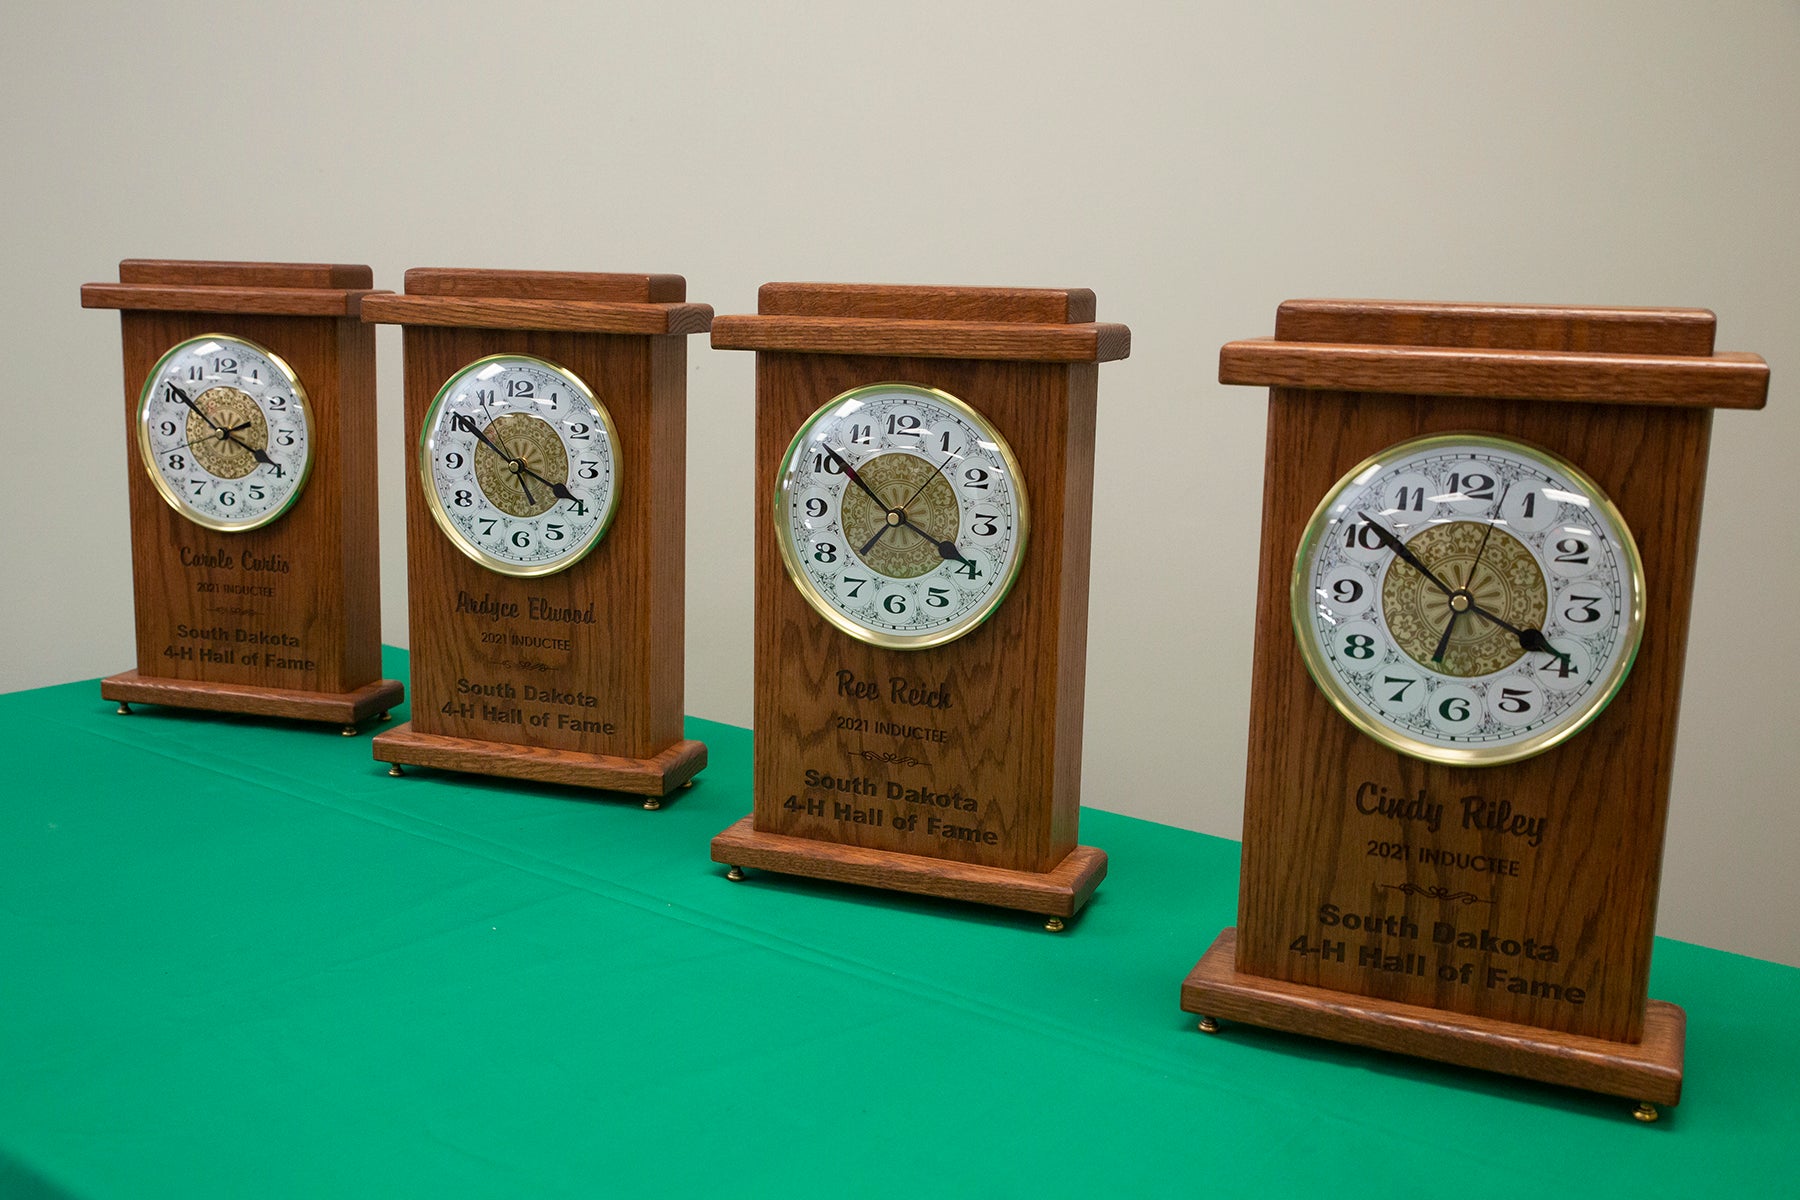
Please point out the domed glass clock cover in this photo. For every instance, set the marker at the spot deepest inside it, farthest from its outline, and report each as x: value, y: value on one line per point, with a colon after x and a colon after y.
x: 901, y: 515
x: 1468, y: 599
x: 225, y: 431
x: 519, y: 461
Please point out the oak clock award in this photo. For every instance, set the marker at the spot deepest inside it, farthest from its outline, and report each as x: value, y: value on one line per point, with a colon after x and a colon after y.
x: 546, y: 426
x: 924, y: 460
x: 250, y: 401
x: 1480, y: 525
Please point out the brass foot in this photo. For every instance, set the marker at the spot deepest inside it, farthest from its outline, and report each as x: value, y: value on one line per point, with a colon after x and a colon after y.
x: 652, y: 803
x: 687, y: 783
x: 383, y: 717
x: 736, y: 874
x: 1645, y: 1112
x: 124, y: 709
x: 348, y: 731
x: 1208, y: 1025
x: 1054, y: 925
x: 394, y: 770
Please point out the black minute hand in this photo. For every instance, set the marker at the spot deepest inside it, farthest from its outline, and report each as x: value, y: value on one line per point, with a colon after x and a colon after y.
x: 467, y: 423
x: 183, y: 397
x: 854, y: 477
x: 1406, y: 556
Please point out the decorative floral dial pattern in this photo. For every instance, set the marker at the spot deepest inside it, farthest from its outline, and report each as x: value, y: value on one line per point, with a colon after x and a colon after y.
x: 519, y: 461
x: 1512, y: 625
x: 900, y: 515
x: 225, y: 430
x: 1501, y: 577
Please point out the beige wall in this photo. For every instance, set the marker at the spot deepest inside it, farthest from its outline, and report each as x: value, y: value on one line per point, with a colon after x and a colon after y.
x: 1194, y: 164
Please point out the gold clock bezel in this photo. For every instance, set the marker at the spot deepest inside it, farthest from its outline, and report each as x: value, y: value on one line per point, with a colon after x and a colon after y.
x: 469, y: 549
x: 796, y: 571
x: 1300, y: 601
x: 174, y: 499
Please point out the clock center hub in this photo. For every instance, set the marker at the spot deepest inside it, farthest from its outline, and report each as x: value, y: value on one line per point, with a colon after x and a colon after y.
x: 1486, y: 566
x: 912, y: 490
x: 519, y: 483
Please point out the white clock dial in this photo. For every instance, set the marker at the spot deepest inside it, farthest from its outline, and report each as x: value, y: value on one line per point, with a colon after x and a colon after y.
x: 519, y: 461
x: 1468, y: 599
x: 225, y: 431
x: 901, y: 515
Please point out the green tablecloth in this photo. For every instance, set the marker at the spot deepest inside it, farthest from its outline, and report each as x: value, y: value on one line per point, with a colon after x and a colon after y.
x: 237, y: 959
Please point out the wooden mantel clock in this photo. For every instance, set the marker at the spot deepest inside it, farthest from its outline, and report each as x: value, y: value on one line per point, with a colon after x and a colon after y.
x: 923, y: 464
x: 1478, y: 547
x: 546, y: 434
x: 250, y: 398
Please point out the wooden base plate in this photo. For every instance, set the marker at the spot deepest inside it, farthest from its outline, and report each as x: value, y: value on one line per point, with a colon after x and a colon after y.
x: 1059, y: 892
x: 655, y: 776
x: 1648, y: 1071
x: 332, y: 708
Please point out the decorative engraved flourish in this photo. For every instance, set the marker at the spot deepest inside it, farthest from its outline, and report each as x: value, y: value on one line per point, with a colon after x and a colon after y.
x: 1435, y: 893
x: 888, y: 756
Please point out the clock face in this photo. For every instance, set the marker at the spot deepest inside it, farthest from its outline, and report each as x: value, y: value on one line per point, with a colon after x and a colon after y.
x: 520, y: 464
x: 901, y: 515
x: 224, y: 429
x: 1468, y: 599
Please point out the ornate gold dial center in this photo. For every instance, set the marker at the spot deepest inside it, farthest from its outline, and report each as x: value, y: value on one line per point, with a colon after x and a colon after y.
x: 227, y: 457
x: 1500, y: 577
x: 518, y: 482
x: 909, y: 486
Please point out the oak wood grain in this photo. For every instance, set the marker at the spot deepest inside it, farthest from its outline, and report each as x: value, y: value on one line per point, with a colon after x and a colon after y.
x: 1589, y: 889
x: 335, y: 708
x: 187, y: 273
x: 1721, y: 381
x: 613, y: 287
x: 1648, y: 1070
x: 989, y: 779
x: 589, y: 316
x: 1003, y: 738
x: 1498, y: 326
x: 308, y: 584
x: 1059, y: 892
x: 1055, y: 306
x: 297, y: 302
x: 650, y: 775
x: 608, y: 690
x: 1018, y: 341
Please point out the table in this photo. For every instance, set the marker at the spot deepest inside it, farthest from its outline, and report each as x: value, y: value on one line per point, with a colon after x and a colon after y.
x: 236, y: 958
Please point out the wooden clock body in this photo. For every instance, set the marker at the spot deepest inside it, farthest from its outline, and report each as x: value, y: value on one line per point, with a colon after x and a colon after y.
x: 283, y: 620
x: 982, y: 733
x: 1529, y: 960
x: 594, y: 702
